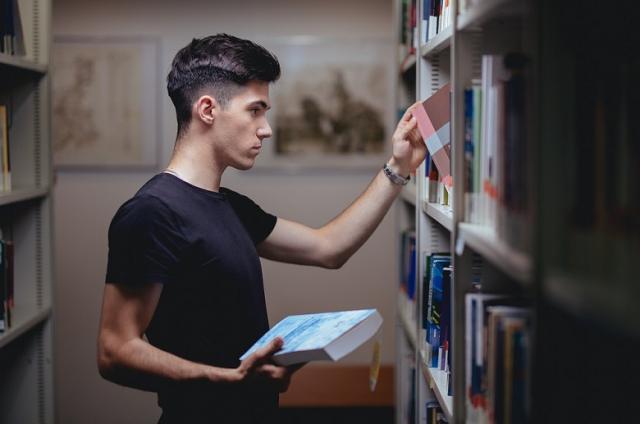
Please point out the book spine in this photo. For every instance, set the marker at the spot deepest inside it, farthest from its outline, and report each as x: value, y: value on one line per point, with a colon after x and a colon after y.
x: 4, y: 147
x: 3, y: 290
x: 468, y: 153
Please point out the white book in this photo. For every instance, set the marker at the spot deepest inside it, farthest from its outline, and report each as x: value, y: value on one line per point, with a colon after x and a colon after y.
x: 325, y: 336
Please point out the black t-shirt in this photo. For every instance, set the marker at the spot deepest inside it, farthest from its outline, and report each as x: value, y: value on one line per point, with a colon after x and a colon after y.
x: 200, y: 245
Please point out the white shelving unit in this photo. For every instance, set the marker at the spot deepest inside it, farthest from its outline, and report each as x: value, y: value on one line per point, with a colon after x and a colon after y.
x: 570, y: 255
x: 437, y: 382
x: 22, y: 65
x: 454, y: 56
x: 409, y: 194
x: 440, y: 42
x: 26, y: 365
x: 483, y: 11
x: 484, y: 241
x: 441, y: 213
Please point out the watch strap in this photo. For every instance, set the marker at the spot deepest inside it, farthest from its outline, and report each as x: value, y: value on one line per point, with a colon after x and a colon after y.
x: 394, y: 177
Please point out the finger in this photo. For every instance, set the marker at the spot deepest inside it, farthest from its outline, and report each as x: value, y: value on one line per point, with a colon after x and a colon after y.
x: 267, y: 351
x: 409, y: 112
x: 416, y: 138
x: 407, y: 127
x: 272, y: 372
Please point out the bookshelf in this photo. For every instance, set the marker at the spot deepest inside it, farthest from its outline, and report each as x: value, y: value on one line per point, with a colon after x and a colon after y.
x: 549, y: 254
x: 26, y: 365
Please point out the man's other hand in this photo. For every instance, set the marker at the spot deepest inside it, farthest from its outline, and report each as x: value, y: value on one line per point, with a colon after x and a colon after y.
x: 260, y: 369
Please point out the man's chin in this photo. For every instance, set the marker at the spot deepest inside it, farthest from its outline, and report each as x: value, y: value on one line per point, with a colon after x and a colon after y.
x: 244, y: 166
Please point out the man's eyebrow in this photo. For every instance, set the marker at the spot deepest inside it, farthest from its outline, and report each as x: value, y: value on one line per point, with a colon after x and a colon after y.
x: 260, y: 103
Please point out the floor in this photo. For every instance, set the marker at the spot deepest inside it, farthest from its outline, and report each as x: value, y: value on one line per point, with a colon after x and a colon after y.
x: 377, y: 415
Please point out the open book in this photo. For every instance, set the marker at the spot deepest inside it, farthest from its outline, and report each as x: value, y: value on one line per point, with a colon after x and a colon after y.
x: 324, y: 336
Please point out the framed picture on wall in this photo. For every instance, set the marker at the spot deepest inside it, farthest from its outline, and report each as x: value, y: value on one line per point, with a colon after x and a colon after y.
x: 332, y: 107
x: 105, y: 102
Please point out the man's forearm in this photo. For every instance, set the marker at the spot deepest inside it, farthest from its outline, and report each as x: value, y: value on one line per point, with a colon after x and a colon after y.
x: 350, y: 230
x: 140, y: 365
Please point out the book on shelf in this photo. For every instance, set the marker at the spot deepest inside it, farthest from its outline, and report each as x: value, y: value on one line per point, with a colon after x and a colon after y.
x: 7, y: 302
x: 433, y: 117
x: 12, y: 42
x: 496, y: 179
x: 434, y: 413
x: 496, y: 358
x: 408, y: 263
x: 408, y: 28
x: 323, y: 336
x: 3, y: 293
x: 5, y: 153
x: 436, y: 17
x: 436, y: 310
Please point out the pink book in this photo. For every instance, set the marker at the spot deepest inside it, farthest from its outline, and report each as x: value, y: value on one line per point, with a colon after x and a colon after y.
x: 433, y: 116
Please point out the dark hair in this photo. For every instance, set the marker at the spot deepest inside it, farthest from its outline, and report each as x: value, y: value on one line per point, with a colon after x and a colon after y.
x: 219, y: 62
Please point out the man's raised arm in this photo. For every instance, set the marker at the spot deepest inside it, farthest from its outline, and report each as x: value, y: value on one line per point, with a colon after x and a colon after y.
x: 333, y: 244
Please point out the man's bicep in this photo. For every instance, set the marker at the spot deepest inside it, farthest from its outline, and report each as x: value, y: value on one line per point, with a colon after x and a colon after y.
x: 127, y: 310
x: 293, y: 242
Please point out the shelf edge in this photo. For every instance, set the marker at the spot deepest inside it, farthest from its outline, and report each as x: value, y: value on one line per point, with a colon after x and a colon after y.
x: 15, y: 332
x: 434, y: 383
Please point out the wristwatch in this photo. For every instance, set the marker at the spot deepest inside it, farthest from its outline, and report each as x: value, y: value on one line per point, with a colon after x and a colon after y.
x: 395, y: 178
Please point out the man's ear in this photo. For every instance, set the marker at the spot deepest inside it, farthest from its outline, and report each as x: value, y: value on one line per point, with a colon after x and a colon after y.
x: 205, y: 109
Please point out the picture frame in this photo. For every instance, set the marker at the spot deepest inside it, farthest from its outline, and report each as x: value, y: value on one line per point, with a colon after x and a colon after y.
x: 333, y: 106
x: 106, y: 102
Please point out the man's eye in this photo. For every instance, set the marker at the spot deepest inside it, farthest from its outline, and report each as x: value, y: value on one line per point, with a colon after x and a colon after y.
x: 254, y: 112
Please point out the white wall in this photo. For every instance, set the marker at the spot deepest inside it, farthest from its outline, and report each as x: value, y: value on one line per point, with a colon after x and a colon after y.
x: 85, y: 202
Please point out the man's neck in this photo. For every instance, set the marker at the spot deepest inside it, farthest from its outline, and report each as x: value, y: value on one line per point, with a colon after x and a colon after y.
x: 194, y: 162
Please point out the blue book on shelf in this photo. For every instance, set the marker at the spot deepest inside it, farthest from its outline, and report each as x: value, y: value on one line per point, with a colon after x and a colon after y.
x: 434, y: 312
x: 323, y: 336
x: 411, y: 275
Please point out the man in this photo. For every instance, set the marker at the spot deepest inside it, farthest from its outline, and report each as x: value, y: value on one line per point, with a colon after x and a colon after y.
x: 183, y: 264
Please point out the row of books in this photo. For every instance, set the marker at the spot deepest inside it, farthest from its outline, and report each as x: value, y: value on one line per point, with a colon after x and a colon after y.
x: 436, y: 313
x: 496, y: 180
x: 11, y: 40
x: 5, y: 157
x: 7, y: 301
x: 435, y: 190
x: 436, y: 17
x: 497, y: 358
x: 408, y: 29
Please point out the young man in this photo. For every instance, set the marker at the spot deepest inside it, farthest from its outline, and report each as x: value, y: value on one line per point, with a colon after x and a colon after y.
x: 183, y: 266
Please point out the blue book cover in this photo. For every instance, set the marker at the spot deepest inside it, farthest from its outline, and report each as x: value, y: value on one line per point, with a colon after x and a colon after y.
x: 434, y: 312
x: 411, y: 275
x: 322, y: 336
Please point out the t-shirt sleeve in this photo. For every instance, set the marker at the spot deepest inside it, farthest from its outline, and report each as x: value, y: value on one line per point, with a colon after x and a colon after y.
x: 259, y: 224
x: 145, y: 243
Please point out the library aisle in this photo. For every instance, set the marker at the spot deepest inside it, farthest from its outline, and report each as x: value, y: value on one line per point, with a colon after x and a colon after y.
x: 517, y: 251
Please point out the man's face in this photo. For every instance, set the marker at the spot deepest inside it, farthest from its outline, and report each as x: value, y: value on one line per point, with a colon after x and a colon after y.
x: 240, y: 128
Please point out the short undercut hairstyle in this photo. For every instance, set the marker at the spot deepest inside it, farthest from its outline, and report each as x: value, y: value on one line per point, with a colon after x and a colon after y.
x: 221, y: 64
